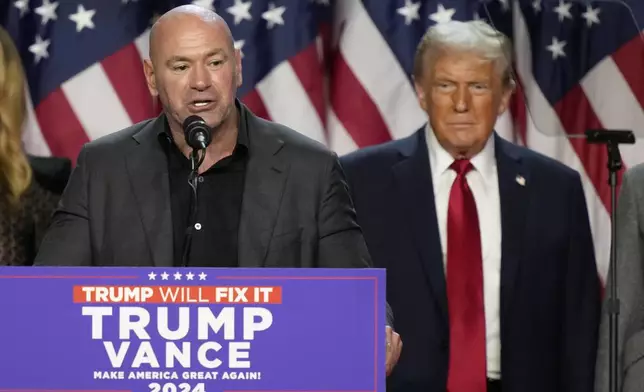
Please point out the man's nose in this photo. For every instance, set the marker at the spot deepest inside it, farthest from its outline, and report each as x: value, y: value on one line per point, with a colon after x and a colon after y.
x: 200, y: 78
x: 461, y: 99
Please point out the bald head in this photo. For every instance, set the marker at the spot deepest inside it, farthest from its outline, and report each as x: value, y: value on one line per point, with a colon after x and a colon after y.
x: 183, y: 17
x: 194, y: 67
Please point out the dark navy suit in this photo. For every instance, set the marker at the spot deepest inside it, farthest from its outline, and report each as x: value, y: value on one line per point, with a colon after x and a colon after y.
x: 550, y: 291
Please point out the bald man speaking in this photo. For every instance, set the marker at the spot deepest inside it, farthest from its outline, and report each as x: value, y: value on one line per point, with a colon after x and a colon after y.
x: 267, y: 195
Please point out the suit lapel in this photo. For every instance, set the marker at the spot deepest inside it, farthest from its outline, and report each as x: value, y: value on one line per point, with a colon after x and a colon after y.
x: 264, y: 184
x: 412, y: 176
x: 514, y: 183
x: 147, y: 168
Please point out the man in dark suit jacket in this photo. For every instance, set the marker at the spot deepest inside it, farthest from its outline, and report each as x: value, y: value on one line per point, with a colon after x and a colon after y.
x: 117, y: 208
x: 268, y: 196
x: 525, y: 234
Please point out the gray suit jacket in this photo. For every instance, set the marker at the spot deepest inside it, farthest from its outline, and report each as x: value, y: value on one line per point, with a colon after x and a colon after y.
x: 296, y: 209
x: 630, y: 290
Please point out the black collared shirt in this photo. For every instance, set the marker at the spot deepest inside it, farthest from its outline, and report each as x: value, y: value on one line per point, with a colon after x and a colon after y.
x: 219, y: 197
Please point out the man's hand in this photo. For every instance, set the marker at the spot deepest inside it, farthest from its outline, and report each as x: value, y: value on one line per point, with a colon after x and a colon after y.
x: 394, y: 347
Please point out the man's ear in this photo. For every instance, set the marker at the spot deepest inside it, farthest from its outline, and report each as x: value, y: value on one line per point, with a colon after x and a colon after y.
x: 238, y: 67
x: 148, y: 70
x: 506, y: 96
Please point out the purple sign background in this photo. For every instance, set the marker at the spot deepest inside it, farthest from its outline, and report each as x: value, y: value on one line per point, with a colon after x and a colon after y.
x: 327, y: 334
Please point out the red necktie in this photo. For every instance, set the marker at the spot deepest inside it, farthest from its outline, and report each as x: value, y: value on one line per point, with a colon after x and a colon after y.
x: 467, y: 359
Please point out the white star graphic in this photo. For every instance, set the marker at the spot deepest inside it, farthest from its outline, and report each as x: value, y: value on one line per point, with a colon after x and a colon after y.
x: 164, y: 275
x: 83, y: 18
x: 556, y: 47
x: 190, y: 276
x: 591, y: 15
x: 202, y: 276
x: 22, y: 5
x: 536, y: 4
x: 39, y: 48
x: 47, y: 11
x: 240, y: 10
x: 177, y: 275
x: 274, y: 15
x: 409, y: 11
x: 152, y: 276
x: 563, y: 10
x: 205, y: 4
x: 442, y: 15
x: 240, y: 45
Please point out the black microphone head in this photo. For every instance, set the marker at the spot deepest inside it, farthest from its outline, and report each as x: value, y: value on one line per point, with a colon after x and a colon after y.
x: 197, y: 133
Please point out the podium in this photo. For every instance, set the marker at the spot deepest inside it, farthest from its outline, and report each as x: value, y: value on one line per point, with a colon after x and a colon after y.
x: 191, y: 330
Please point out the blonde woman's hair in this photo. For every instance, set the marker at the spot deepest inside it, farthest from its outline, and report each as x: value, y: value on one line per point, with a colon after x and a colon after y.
x: 15, y: 171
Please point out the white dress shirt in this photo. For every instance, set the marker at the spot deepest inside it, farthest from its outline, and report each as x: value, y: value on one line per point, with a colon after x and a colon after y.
x: 483, y: 181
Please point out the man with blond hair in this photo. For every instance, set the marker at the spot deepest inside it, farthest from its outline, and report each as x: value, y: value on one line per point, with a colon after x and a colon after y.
x: 490, y: 263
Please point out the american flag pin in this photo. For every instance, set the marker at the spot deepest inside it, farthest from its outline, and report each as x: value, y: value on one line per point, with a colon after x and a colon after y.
x: 520, y: 180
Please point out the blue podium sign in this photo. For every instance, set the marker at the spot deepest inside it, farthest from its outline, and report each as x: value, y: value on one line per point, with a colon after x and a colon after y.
x: 191, y: 330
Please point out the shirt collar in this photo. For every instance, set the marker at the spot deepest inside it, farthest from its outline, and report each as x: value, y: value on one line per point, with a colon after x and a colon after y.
x: 440, y: 160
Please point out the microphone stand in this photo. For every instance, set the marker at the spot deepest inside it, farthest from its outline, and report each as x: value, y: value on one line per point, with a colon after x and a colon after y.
x: 193, y: 180
x: 612, y: 140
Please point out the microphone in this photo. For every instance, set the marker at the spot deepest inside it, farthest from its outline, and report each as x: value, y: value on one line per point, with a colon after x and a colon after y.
x: 197, y: 133
x: 198, y: 136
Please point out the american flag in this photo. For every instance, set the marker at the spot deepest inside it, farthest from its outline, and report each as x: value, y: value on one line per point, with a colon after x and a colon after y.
x: 339, y: 72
